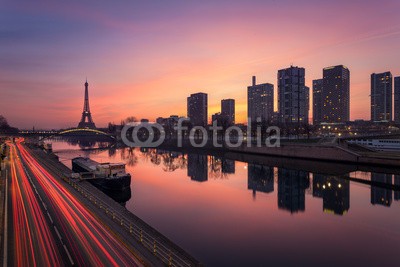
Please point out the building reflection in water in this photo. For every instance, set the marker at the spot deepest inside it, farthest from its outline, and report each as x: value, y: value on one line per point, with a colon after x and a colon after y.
x: 397, y: 182
x: 292, y: 185
x: 228, y: 166
x: 379, y: 195
x: 197, y: 167
x: 260, y: 178
x: 334, y: 191
x: 129, y: 156
x: 220, y: 167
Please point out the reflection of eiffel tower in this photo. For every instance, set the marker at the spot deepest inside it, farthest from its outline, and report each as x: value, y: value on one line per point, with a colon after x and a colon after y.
x: 86, y: 121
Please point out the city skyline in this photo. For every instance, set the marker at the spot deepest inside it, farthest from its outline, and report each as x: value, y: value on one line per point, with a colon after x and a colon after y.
x: 133, y: 52
x: 199, y: 133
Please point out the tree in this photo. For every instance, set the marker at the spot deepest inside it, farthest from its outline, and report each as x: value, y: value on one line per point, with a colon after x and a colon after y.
x: 5, y: 127
x: 130, y: 119
x: 3, y: 123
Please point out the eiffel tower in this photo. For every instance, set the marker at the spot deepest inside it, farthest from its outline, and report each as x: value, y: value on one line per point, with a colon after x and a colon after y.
x: 86, y: 120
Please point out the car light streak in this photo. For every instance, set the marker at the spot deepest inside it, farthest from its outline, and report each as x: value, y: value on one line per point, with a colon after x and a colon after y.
x: 89, y: 241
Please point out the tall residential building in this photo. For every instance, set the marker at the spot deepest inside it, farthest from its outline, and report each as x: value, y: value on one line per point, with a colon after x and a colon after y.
x: 260, y: 101
x: 228, y: 109
x: 317, y: 101
x: 293, y: 96
x: 336, y: 94
x: 381, y: 96
x: 197, y: 109
x: 397, y: 100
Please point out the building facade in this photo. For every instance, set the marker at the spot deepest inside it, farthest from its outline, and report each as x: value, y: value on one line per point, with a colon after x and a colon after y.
x: 228, y: 110
x: 197, y: 109
x: 317, y: 101
x: 293, y: 96
x: 381, y: 96
x: 397, y: 100
x: 260, y: 101
x: 336, y: 94
x: 220, y: 119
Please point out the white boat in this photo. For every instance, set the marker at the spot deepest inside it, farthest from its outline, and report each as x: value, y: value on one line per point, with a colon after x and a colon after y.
x: 378, y: 144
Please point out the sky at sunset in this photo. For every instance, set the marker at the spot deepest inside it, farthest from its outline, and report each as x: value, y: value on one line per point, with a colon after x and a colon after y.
x: 143, y: 58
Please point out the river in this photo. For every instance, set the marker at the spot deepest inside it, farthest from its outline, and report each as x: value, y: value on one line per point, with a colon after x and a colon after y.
x: 239, y: 213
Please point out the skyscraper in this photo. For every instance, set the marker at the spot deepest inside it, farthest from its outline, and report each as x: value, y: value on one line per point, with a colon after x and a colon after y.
x: 317, y: 101
x: 260, y: 101
x: 336, y: 94
x: 197, y: 109
x: 228, y: 110
x: 293, y: 96
x: 397, y: 100
x: 381, y: 96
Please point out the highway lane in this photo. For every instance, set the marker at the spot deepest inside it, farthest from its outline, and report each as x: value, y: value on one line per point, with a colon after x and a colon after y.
x: 32, y: 239
x: 88, y: 241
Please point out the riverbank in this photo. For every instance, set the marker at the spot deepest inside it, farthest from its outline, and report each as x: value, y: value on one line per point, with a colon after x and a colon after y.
x: 336, y: 152
x: 153, y: 248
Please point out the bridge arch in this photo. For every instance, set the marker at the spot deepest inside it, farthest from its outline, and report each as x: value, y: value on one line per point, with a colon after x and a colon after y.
x: 77, y: 130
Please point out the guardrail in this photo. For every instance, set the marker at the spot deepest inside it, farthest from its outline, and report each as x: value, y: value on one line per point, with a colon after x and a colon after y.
x: 162, y: 248
x: 151, y: 240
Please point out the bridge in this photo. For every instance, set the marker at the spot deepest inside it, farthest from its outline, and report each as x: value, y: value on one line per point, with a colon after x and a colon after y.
x: 76, y: 132
x: 84, y: 131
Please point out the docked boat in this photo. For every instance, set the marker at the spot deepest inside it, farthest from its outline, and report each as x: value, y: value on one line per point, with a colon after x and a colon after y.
x: 111, y: 176
x: 378, y: 144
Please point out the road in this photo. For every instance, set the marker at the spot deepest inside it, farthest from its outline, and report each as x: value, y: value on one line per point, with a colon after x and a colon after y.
x: 48, y: 226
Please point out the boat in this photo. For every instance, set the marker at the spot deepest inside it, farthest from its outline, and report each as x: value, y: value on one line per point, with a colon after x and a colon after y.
x: 110, y: 176
x: 378, y: 144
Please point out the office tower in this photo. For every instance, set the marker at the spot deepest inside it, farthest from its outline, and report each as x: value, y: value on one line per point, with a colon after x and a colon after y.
x: 381, y: 96
x: 228, y: 109
x: 293, y: 96
x: 197, y: 109
x: 336, y: 94
x: 397, y: 100
x: 317, y: 101
x: 260, y: 102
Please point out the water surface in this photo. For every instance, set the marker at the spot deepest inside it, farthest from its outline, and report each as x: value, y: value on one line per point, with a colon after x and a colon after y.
x: 238, y: 213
